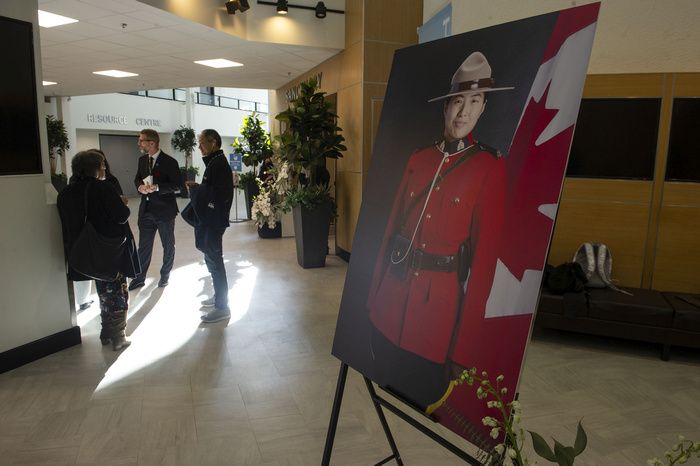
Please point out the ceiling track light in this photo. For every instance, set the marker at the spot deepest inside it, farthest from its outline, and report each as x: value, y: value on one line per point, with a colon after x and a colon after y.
x: 237, y: 5
x: 283, y: 6
x: 321, y: 10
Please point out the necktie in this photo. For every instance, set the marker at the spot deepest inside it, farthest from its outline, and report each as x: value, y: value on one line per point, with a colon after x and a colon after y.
x: 150, y: 165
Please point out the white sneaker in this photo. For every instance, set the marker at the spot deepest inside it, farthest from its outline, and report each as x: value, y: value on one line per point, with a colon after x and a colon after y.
x: 209, y: 302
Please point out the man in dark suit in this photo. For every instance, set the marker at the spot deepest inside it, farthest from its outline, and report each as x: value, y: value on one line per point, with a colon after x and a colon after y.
x: 158, y: 179
x: 213, y: 205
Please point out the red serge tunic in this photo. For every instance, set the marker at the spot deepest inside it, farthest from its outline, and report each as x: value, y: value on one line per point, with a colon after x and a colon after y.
x: 430, y: 312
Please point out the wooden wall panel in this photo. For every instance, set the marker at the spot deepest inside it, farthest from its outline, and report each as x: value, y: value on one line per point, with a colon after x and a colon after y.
x: 621, y: 226
x: 378, y: 59
x: 373, y: 103
x: 614, y: 212
x: 687, y: 85
x: 354, y: 12
x: 350, y: 112
x: 624, y: 85
x: 621, y: 191
x: 351, y: 66
x: 349, y: 199
x: 677, y: 264
x: 393, y: 20
x: 677, y: 259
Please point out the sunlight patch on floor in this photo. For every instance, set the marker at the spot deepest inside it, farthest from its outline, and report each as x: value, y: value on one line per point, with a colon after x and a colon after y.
x: 174, y: 317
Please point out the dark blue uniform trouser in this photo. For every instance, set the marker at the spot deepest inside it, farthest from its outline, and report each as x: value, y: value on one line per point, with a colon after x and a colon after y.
x: 209, y: 241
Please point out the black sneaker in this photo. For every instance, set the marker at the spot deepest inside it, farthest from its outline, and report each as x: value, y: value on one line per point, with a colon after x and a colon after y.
x: 162, y: 283
x: 136, y: 284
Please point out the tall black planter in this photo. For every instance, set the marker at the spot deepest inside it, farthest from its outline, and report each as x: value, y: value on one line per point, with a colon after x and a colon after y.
x: 266, y: 232
x: 311, y: 234
x: 251, y: 189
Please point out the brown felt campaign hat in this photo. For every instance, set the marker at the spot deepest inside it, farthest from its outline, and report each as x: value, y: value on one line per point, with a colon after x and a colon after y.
x: 473, y: 76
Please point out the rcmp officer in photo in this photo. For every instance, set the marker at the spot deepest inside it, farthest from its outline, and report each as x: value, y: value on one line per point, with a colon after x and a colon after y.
x: 438, y: 254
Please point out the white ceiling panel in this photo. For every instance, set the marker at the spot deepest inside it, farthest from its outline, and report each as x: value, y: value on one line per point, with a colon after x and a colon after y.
x: 114, y: 6
x: 96, y: 44
x: 59, y: 35
x: 122, y: 22
x: 76, y: 9
x: 160, y: 47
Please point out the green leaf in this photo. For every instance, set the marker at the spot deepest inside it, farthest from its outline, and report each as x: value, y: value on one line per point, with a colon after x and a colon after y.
x: 581, y: 440
x: 541, y: 447
x: 565, y: 455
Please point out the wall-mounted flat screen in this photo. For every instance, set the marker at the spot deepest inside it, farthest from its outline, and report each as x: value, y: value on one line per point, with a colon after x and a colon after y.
x: 684, y: 144
x: 615, y: 138
x: 20, y: 151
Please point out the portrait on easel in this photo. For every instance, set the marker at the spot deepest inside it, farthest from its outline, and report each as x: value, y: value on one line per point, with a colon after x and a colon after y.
x: 458, y: 211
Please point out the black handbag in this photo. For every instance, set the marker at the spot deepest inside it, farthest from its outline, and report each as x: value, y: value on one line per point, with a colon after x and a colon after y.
x: 94, y: 255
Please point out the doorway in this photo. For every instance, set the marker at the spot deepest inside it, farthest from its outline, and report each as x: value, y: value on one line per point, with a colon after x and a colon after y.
x: 123, y: 154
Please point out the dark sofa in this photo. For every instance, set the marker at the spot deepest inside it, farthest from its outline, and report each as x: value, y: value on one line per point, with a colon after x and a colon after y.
x: 669, y: 319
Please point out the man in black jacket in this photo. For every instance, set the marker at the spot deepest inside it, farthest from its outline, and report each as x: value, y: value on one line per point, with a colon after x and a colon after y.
x: 213, y: 205
x: 158, y: 179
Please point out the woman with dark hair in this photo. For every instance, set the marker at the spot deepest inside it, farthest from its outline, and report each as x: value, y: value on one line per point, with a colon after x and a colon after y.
x: 109, y: 215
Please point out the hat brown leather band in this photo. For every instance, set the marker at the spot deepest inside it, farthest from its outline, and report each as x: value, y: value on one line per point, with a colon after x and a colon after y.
x: 473, y: 85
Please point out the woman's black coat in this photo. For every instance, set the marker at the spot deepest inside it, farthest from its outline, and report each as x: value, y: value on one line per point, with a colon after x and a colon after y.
x: 106, y: 212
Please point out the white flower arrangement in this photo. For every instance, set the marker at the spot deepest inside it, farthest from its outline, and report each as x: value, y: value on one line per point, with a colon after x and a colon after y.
x: 264, y: 210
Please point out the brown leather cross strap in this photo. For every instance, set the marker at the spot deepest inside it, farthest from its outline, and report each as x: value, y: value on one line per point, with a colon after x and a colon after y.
x: 468, y: 152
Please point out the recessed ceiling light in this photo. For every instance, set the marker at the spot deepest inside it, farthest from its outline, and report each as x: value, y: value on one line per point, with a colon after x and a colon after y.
x: 49, y: 20
x: 219, y: 63
x: 115, y: 73
x: 48, y: 83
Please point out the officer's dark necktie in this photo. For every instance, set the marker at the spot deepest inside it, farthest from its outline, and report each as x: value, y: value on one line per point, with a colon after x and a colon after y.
x: 150, y: 165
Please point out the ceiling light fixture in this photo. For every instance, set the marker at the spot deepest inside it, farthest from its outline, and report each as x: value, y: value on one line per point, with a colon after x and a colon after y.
x: 49, y: 20
x: 115, y: 73
x: 320, y: 10
x: 237, y: 5
x: 283, y: 8
x: 218, y: 63
x: 48, y: 83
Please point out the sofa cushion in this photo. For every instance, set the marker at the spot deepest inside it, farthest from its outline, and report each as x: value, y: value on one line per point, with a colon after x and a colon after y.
x: 687, y: 310
x: 551, y: 303
x: 567, y: 304
x: 644, y: 307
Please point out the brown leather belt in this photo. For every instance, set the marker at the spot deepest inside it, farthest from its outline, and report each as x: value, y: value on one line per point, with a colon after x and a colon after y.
x: 421, y: 260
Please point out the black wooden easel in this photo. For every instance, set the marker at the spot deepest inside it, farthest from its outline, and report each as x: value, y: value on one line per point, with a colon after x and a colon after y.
x: 378, y: 402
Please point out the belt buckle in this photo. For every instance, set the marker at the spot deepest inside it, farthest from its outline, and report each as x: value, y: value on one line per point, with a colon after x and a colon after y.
x: 417, y: 259
x: 444, y: 261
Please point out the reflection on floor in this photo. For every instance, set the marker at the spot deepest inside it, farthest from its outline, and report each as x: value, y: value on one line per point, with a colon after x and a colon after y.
x: 259, y: 389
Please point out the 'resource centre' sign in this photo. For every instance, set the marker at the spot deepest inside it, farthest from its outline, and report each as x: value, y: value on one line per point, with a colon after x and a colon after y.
x: 122, y: 120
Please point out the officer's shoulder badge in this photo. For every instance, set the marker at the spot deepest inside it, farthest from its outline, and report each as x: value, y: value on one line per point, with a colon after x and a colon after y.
x: 491, y: 150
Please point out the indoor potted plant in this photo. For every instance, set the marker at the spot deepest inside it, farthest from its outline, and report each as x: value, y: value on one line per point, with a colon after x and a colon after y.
x: 58, y: 144
x: 184, y: 140
x: 254, y: 147
x: 311, y: 136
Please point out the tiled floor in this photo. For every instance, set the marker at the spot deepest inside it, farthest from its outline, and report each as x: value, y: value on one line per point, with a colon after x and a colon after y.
x: 259, y: 389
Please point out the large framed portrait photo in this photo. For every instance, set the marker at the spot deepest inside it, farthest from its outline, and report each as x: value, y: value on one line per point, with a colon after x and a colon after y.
x: 458, y: 211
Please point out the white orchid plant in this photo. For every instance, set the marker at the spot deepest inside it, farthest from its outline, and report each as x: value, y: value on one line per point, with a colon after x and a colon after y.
x: 267, y: 205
